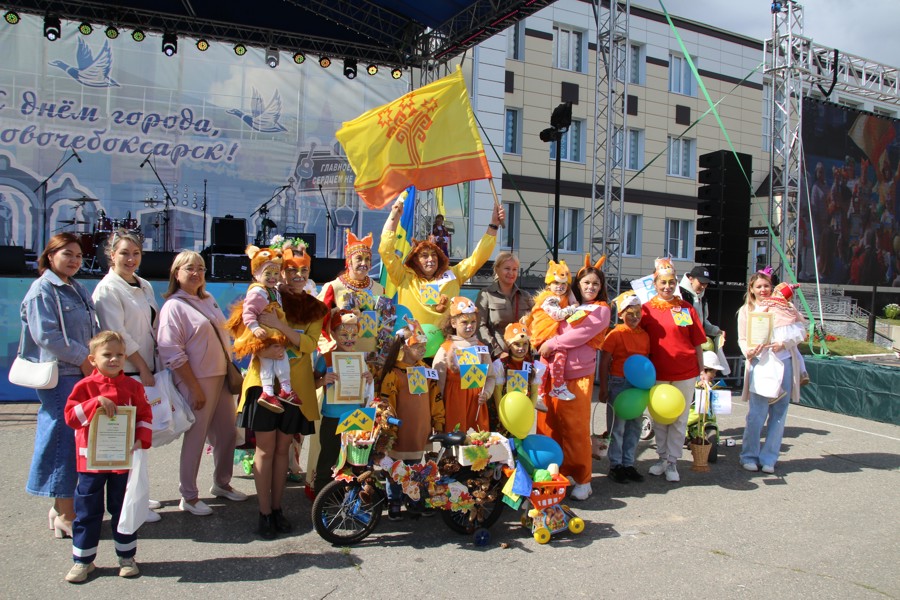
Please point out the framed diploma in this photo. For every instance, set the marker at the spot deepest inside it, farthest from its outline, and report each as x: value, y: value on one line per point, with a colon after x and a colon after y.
x: 110, y: 440
x: 350, y: 386
x: 759, y: 328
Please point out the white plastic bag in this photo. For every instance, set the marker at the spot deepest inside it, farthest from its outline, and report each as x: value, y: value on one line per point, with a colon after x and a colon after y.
x: 766, y: 376
x: 181, y: 416
x: 160, y: 404
x: 137, y: 495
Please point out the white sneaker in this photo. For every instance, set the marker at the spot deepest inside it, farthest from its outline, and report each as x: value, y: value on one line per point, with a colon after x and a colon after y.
x: 659, y: 467
x: 672, y: 473
x: 540, y: 406
x: 581, y: 491
x: 200, y: 508
x: 768, y: 469
x: 155, y: 505
x: 152, y: 517
x: 230, y: 494
x: 562, y: 393
x: 750, y: 467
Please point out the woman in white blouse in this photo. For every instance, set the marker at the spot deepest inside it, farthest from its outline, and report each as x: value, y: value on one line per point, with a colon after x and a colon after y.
x: 126, y: 304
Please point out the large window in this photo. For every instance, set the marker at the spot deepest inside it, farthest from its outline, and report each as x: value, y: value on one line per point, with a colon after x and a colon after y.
x: 572, y: 143
x: 681, y: 157
x: 513, y: 137
x: 633, y: 151
x: 509, y: 235
x: 630, y: 235
x: 515, y: 41
x: 678, y: 238
x: 767, y: 120
x: 632, y: 65
x: 681, y: 80
x: 569, y: 229
x: 568, y: 48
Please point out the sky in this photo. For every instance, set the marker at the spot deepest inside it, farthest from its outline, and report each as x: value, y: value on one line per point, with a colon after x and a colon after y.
x: 868, y: 29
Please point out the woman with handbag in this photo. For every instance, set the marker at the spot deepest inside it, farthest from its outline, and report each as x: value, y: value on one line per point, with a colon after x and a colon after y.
x: 127, y: 305
x: 193, y: 344
x: 58, y: 321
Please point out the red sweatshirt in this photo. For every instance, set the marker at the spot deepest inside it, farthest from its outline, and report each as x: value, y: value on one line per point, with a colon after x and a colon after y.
x: 83, y: 403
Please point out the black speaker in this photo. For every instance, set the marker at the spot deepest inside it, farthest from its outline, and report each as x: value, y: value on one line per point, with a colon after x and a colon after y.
x: 156, y: 265
x: 229, y: 266
x: 323, y: 270
x: 229, y: 235
x: 12, y: 260
x: 309, y: 238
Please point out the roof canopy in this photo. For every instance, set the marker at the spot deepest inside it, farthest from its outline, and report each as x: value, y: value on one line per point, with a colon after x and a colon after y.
x: 400, y: 33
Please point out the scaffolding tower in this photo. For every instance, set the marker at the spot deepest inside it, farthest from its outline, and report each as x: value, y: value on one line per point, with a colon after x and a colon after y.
x: 610, y: 119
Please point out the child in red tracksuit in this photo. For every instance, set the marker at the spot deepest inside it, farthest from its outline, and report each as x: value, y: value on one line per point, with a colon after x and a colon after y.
x: 103, y: 390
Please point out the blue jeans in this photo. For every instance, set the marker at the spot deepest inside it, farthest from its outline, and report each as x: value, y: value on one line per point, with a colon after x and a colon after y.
x: 624, y: 435
x: 53, y: 471
x: 759, y: 411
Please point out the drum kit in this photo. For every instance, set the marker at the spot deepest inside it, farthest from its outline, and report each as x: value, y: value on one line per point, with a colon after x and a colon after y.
x: 93, y: 240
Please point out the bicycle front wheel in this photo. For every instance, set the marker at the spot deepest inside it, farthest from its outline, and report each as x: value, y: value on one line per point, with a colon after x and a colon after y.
x: 341, y: 517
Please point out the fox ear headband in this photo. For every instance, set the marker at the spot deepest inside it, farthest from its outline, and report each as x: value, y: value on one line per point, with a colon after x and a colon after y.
x: 587, y: 263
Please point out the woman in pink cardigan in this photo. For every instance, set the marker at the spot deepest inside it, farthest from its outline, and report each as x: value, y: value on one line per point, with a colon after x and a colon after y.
x: 193, y: 345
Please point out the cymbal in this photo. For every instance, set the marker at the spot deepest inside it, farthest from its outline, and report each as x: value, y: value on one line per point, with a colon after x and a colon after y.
x: 83, y: 199
x: 74, y: 222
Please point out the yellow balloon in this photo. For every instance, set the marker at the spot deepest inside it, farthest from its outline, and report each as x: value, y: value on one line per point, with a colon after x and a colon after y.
x: 666, y: 403
x: 517, y: 413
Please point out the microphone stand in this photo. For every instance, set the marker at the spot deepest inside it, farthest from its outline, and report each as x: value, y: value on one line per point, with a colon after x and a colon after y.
x: 166, y: 209
x: 263, y: 210
x: 43, y: 187
x: 203, y: 245
x: 329, y: 224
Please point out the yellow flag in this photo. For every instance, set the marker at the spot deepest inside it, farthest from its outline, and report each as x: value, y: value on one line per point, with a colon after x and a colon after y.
x: 426, y: 138
x: 472, y: 376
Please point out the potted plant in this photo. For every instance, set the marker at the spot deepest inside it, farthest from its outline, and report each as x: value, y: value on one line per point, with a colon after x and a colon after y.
x: 700, y: 446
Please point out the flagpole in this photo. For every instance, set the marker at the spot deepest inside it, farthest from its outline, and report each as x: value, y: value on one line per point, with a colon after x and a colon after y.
x: 496, y: 199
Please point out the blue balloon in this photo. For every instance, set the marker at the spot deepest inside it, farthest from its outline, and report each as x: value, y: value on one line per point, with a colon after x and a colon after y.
x: 640, y: 372
x: 541, y: 451
x: 401, y: 311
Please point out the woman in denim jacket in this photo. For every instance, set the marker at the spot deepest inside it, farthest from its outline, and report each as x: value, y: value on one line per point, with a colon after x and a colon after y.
x: 53, y: 296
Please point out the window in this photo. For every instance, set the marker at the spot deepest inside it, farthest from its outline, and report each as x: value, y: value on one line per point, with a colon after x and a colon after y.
x: 513, y: 137
x: 681, y: 80
x: 681, y: 157
x: 568, y: 49
x: 569, y: 229
x: 572, y: 143
x: 767, y: 121
x: 678, y: 236
x: 515, y: 41
x: 634, y: 148
x: 509, y: 235
x: 883, y: 112
x: 634, y: 59
x: 631, y: 235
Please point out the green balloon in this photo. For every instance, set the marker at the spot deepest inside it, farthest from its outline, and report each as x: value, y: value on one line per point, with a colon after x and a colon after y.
x: 435, y: 339
x: 630, y: 403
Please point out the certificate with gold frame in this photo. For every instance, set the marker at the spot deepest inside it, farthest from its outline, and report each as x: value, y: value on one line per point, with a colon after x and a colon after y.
x: 110, y: 440
x: 350, y: 386
x: 759, y: 328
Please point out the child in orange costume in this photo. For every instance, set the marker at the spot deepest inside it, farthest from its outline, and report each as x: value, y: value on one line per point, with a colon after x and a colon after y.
x: 552, y: 306
x: 252, y: 338
x: 462, y: 407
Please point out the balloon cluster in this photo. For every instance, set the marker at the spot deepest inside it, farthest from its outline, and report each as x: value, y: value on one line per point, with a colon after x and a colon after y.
x: 664, y: 401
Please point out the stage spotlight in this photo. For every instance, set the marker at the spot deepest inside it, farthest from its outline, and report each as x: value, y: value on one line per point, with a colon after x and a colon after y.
x: 112, y: 32
x: 202, y: 45
x: 86, y: 28
x: 138, y: 35
x: 272, y: 57
x: 350, y: 68
x: 240, y: 49
x: 372, y: 69
x: 396, y: 73
x: 324, y: 62
x: 299, y: 58
x: 52, y: 28
x: 11, y: 17
x: 169, y: 44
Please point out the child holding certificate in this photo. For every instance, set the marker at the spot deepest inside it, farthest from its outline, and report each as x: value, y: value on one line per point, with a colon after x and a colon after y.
x: 463, y: 364
x: 410, y: 387
x: 103, y: 390
x: 343, y: 329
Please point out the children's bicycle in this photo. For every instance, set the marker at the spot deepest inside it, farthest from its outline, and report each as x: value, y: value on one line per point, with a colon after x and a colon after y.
x: 349, y: 508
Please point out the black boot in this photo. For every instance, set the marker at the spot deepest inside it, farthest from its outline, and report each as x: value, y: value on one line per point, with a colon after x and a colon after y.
x: 266, y: 527
x: 282, y: 525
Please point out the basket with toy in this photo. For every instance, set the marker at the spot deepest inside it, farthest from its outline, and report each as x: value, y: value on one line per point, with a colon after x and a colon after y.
x: 545, y: 494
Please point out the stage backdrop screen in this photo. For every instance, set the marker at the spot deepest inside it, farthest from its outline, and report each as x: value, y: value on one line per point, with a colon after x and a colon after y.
x: 849, y: 201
